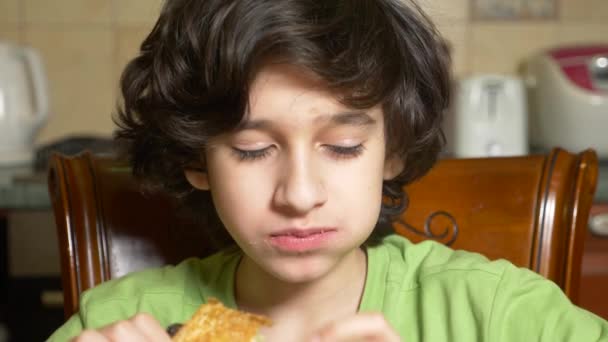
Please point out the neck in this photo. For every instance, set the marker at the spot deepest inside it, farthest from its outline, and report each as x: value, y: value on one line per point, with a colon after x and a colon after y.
x: 336, y: 293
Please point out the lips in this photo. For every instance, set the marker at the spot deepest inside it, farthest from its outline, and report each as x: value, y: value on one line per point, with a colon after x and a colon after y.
x: 302, y: 232
x: 302, y: 240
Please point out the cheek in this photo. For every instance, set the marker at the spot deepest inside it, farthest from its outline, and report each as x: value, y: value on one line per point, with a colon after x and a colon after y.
x: 358, y: 189
x: 236, y: 196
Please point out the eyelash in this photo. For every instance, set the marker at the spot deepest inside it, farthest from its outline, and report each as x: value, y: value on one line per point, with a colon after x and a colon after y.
x: 346, y: 152
x: 251, y: 155
x: 338, y: 152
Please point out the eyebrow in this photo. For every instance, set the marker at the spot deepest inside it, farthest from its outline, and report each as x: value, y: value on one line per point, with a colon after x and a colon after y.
x: 360, y: 119
x: 349, y: 118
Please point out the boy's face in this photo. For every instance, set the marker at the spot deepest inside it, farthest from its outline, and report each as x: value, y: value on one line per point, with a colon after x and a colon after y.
x: 299, y: 185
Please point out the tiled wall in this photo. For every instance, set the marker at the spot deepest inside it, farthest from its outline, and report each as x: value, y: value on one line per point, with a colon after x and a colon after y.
x: 85, y: 44
x: 501, y: 47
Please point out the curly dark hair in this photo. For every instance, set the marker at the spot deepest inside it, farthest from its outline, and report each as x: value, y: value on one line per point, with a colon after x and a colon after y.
x: 191, y: 79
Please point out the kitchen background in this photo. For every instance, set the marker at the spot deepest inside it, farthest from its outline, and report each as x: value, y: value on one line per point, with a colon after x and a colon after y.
x: 86, y: 43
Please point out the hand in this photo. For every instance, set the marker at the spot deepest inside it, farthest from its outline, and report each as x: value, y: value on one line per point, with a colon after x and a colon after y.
x: 359, y: 327
x: 141, y: 327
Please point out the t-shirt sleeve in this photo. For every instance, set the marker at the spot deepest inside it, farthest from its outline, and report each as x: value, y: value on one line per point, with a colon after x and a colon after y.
x: 527, y: 307
x: 69, y: 329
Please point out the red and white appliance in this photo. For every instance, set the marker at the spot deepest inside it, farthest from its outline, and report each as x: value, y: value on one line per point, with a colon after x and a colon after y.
x: 568, y: 94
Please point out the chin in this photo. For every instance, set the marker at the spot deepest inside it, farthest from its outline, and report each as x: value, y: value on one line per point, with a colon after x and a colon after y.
x: 302, y: 269
x: 299, y: 276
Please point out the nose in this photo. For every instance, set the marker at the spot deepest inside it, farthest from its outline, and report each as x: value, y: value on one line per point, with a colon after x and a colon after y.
x: 300, y: 188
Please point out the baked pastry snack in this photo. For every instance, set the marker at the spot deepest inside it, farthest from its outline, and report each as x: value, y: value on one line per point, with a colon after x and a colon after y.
x: 213, y: 322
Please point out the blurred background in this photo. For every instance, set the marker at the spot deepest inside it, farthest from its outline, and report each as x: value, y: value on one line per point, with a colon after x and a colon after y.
x: 84, y: 44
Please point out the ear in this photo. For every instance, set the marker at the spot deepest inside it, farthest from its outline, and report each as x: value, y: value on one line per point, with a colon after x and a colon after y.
x: 197, y: 177
x: 393, y: 166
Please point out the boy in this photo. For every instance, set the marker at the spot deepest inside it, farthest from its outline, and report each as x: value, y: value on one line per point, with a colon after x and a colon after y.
x: 283, y: 123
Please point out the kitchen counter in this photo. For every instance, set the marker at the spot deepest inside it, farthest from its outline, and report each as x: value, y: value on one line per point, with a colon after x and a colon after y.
x: 21, y: 189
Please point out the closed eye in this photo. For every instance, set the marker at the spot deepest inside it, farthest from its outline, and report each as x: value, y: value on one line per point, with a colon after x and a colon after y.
x: 250, y: 155
x: 345, y: 152
x: 336, y: 151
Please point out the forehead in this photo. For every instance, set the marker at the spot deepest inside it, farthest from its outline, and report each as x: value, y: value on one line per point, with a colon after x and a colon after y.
x: 283, y: 92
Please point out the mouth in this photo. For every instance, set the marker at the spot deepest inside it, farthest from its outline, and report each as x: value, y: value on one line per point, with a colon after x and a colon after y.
x: 302, y: 240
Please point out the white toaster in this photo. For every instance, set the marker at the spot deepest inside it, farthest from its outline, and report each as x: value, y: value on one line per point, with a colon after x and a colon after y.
x: 488, y: 118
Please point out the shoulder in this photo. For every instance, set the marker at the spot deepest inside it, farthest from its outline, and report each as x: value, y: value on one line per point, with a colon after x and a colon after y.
x: 432, y: 266
x: 429, y: 261
x: 169, y: 279
x: 413, y: 284
x: 167, y: 292
x: 526, y: 306
x: 495, y: 299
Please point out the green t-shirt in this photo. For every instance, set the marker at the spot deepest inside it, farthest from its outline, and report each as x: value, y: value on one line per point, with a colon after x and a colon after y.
x: 427, y: 292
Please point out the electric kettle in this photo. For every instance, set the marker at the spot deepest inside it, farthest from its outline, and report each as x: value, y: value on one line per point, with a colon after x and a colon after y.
x: 24, y: 103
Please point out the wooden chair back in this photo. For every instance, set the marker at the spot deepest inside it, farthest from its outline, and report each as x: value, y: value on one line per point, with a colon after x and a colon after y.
x: 530, y: 210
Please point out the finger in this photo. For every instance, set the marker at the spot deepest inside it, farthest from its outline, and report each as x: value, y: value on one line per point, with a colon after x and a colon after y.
x: 90, y: 336
x: 360, y: 327
x: 123, y: 331
x: 150, y: 327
